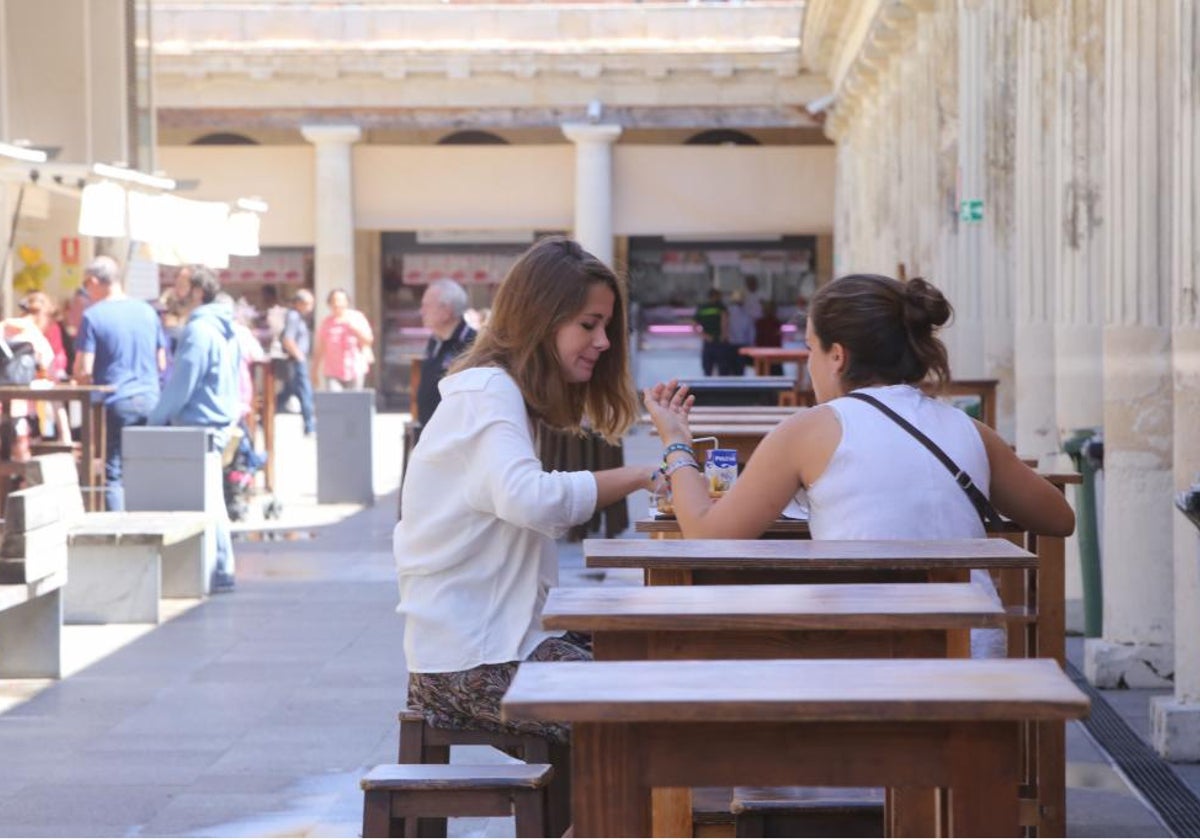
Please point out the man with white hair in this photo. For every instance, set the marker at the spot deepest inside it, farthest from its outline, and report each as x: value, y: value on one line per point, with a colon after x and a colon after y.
x: 442, y: 308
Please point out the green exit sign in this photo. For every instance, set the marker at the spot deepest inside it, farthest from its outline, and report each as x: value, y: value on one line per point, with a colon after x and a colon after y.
x: 970, y: 210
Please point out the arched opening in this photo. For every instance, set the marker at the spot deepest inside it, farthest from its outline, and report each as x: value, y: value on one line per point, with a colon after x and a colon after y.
x: 472, y: 137
x: 721, y: 137
x: 224, y: 138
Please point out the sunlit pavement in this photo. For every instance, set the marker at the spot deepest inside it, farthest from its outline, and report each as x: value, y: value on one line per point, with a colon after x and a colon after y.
x: 255, y: 713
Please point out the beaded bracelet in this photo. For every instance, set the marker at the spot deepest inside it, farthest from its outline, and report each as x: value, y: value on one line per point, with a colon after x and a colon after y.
x: 678, y: 465
x: 679, y: 447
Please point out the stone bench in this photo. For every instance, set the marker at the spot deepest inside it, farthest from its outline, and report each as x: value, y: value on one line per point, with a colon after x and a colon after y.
x: 394, y: 794
x: 33, y: 570
x: 121, y: 563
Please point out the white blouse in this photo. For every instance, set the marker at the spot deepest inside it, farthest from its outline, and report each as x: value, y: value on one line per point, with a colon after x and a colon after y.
x: 475, y: 551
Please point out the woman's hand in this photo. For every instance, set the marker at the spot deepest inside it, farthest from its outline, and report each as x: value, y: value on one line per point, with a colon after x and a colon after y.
x: 669, y: 404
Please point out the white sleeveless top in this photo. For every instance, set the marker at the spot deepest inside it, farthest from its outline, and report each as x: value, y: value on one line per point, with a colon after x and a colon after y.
x: 882, y: 483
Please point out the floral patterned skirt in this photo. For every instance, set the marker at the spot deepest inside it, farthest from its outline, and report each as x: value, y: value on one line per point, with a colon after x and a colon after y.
x: 471, y: 699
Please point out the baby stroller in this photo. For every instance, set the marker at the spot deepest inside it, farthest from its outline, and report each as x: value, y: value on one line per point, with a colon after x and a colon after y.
x: 240, y: 464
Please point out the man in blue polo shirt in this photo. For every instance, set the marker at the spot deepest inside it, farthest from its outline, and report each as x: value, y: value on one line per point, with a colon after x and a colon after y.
x: 120, y: 343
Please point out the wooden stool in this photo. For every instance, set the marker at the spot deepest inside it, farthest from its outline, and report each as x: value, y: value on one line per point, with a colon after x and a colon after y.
x: 421, y: 743
x: 394, y: 794
x: 808, y: 812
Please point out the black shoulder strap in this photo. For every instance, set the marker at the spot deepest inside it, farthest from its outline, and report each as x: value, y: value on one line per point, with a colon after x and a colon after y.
x: 983, y: 507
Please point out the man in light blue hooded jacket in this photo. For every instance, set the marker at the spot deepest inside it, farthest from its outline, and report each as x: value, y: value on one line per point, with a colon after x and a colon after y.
x: 203, y: 388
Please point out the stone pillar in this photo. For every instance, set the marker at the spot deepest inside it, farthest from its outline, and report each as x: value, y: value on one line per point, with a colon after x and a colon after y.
x: 1079, y: 245
x: 594, y: 186
x: 1136, y: 649
x: 997, y: 271
x: 334, y: 209
x: 967, y: 296
x: 1175, y: 720
x: 1036, y: 426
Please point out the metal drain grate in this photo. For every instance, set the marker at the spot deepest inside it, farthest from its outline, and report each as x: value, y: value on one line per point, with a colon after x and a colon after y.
x: 1155, y: 780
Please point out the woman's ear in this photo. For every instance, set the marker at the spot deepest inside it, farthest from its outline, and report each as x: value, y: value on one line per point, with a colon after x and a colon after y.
x: 839, y: 357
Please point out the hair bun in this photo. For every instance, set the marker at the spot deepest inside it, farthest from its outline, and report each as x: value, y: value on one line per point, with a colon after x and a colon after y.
x: 925, y: 307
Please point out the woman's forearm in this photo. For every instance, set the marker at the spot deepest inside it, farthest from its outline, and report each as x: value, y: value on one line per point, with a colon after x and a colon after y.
x: 615, y: 484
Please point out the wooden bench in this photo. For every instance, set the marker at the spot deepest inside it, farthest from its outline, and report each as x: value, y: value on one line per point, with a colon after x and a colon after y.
x: 33, y: 571
x: 395, y: 794
x: 900, y: 724
x: 421, y: 743
x: 121, y: 563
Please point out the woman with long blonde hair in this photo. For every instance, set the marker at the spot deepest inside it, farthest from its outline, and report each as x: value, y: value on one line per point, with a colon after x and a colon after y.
x: 475, y: 550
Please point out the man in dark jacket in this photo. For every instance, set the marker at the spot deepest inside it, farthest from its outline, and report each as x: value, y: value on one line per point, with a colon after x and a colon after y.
x: 442, y: 309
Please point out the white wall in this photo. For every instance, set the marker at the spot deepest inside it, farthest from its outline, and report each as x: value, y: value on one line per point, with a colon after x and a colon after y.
x: 671, y: 190
x: 723, y: 190
x: 464, y: 187
x: 280, y: 175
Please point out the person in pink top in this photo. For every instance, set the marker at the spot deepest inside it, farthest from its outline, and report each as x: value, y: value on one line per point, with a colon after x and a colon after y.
x: 343, y: 352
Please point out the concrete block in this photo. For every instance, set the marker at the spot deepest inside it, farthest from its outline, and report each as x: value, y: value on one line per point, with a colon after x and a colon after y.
x: 1175, y: 728
x: 113, y: 587
x: 170, y: 469
x: 345, y: 425
x: 164, y: 443
x: 48, y: 540
x: 31, y: 638
x: 1111, y: 665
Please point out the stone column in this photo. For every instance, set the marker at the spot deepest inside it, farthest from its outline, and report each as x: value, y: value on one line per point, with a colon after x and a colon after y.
x: 594, y: 186
x: 1136, y: 648
x: 997, y: 271
x: 1036, y: 426
x: 334, y: 205
x: 1175, y: 720
x: 1079, y: 245
x: 967, y: 295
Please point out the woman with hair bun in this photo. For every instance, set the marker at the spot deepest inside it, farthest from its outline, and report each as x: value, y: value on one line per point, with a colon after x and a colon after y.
x: 860, y: 473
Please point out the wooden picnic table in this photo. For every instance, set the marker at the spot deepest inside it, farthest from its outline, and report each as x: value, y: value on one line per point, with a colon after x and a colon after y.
x: 985, y: 389
x: 739, y: 390
x: 93, y: 444
x: 849, y: 723
x: 765, y: 357
x: 1031, y: 587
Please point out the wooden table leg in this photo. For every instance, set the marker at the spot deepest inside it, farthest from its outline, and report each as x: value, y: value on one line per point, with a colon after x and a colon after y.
x: 608, y: 794
x: 87, y: 453
x: 984, y: 761
x: 1050, y: 753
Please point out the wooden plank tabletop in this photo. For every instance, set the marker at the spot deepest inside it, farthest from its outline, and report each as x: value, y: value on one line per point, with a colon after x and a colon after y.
x: 136, y: 527
x: 981, y: 553
x: 879, y: 690
x: 859, y: 606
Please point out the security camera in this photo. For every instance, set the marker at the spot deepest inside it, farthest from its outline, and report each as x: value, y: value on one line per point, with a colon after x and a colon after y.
x: 821, y: 104
x: 595, y: 109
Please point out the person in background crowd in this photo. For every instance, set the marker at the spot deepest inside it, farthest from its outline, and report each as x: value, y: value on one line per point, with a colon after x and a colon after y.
x: 72, y: 317
x: 249, y: 351
x: 295, y: 340
x: 471, y: 594
x: 41, y: 310
x: 861, y: 474
x: 343, y: 353
x: 120, y: 343
x: 203, y: 388
x: 752, y: 299
x: 741, y: 333
x: 443, y: 308
x: 712, y: 322
x: 768, y: 332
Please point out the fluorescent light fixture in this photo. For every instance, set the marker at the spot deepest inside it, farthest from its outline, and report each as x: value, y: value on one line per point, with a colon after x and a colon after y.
x: 254, y: 205
x: 120, y: 173
x: 15, y: 152
x: 474, y: 237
